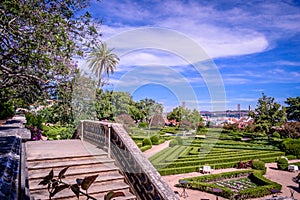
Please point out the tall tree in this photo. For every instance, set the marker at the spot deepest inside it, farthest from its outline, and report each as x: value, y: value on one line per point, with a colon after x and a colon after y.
x: 293, y: 108
x: 149, y: 107
x: 268, y: 113
x: 38, y: 41
x: 102, y: 61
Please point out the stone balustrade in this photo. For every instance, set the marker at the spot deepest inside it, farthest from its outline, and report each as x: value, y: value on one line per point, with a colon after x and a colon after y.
x: 144, y: 180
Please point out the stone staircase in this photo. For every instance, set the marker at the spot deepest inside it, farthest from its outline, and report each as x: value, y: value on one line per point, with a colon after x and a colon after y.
x: 84, y: 160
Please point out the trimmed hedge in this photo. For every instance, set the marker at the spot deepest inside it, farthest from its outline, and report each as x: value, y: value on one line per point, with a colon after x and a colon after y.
x: 147, y: 141
x: 203, y: 183
x: 259, y: 165
x: 154, y: 139
x: 144, y: 148
x: 282, y: 164
x: 173, y: 143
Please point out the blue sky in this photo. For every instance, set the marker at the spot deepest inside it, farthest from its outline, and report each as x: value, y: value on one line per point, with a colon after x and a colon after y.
x: 229, y: 52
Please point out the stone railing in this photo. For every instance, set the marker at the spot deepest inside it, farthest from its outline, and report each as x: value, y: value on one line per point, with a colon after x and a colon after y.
x: 139, y: 173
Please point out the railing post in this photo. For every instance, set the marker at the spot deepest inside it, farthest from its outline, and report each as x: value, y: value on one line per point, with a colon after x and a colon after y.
x: 81, y: 129
x: 109, y: 133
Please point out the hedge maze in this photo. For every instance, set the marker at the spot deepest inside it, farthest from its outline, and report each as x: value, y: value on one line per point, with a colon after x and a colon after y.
x: 194, y: 154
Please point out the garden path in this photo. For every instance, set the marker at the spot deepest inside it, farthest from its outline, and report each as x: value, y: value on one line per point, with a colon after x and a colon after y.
x: 156, y: 148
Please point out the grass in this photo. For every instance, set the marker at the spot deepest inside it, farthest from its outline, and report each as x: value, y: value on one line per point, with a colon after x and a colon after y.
x: 195, y: 153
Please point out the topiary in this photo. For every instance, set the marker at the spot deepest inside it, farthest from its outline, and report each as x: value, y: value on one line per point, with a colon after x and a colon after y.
x: 154, y: 139
x: 259, y: 165
x: 147, y: 141
x: 173, y: 143
x: 179, y: 140
x: 282, y: 163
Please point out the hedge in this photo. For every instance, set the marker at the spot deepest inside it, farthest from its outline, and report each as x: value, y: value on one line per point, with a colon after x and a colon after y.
x: 144, y: 148
x: 225, y: 159
x: 265, y: 186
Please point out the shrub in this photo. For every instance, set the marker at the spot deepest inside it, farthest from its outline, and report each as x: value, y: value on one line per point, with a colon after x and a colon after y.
x: 58, y: 132
x: 282, y: 163
x: 173, y: 143
x: 147, y: 141
x: 34, y: 120
x: 179, y: 140
x: 144, y: 148
x: 143, y: 125
x: 6, y: 110
x: 154, y: 139
x: 276, y: 134
x: 291, y: 147
x: 259, y: 165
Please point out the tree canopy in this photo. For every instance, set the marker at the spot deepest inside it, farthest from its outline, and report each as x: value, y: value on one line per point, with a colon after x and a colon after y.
x: 188, y: 118
x: 268, y: 113
x: 293, y: 108
x: 39, y: 40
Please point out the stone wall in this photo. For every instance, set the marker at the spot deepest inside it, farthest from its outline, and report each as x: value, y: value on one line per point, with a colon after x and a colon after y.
x: 145, y: 181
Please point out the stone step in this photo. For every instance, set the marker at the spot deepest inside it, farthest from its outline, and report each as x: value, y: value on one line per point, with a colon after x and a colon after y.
x: 84, y: 171
x: 56, y: 149
x: 101, y: 179
x: 61, y: 163
x: 94, y: 190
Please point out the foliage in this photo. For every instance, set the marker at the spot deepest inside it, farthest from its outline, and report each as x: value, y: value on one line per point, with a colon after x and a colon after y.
x: 282, y: 163
x: 293, y: 108
x: 103, y: 105
x: 267, y: 114
x: 259, y: 165
x: 143, y: 125
x: 102, y: 61
x: 34, y: 120
x: 173, y: 143
x: 179, y: 140
x: 145, y: 148
x: 291, y: 130
x: 56, y: 185
x: 206, y: 183
x: 176, y: 114
x: 58, y: 132
x: 232, y: 127
x: 147, y: 141
x: 148, y: 108
x: 276, y: 134
x: 6, y: 109
x: 155, y: 139
x: 291, y: 147
x: 38, y: 42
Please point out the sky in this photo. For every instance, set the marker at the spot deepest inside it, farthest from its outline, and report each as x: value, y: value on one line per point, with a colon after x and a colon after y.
x: 211, y: 55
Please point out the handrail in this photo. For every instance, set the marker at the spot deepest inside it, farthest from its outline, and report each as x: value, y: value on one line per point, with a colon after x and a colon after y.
x: 139, y: 173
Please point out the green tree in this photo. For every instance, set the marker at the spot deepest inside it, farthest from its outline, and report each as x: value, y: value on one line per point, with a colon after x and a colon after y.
x: 176, y: 114
x: 267, y: 114
x: 102, y: 62
x: 149, y: 107
x: 190, y: 119
x: 293, y: 108
x: 103, y: 105
x: 38, y: 42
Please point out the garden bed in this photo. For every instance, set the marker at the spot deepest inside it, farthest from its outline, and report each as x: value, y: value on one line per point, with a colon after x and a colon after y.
x: 244, y: 184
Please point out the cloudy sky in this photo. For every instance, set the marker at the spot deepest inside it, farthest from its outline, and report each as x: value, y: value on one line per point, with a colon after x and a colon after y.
x: 204, y: 52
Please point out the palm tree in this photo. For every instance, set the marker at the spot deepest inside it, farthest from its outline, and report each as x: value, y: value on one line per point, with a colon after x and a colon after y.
x: 102, y: 61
